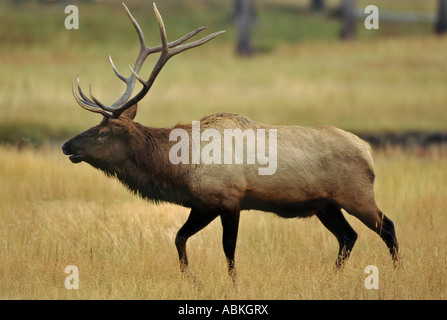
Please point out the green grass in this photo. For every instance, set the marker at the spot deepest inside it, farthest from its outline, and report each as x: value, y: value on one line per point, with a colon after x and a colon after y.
x: 390, y: 79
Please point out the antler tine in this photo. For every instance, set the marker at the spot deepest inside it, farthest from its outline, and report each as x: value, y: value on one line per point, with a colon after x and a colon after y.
x: 119, y: 75
x: 143, y: 54
x: 136, y: 25
x: 179, y: 41
x: 166, y: 54
x: 196, y: 43
x: 161, y: 25
x: 87, y: 103
x: 158, y: 48
x: 86, y: 99
x: 130, y: 81
x: 168, y: 50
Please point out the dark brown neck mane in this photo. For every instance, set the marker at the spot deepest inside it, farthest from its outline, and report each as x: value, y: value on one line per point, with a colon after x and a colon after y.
x: 147, y: 170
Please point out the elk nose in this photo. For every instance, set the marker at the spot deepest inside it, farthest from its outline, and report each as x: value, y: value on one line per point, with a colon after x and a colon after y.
x: 66, y: 148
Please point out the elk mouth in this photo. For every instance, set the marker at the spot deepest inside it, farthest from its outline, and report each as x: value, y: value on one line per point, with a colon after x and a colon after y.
x: 67, y: 149
x: 76, y: 158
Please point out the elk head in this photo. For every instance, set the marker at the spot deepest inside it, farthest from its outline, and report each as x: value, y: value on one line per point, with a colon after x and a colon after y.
x: 105, y: 144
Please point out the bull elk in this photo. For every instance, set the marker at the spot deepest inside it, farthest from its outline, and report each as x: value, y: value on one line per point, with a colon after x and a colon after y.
x: 320, y: 170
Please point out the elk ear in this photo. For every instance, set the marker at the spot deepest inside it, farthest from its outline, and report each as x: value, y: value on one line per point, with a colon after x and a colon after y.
x: 131, y: 112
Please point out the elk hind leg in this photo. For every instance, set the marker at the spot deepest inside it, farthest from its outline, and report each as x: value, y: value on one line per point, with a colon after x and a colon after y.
x: 333, y: 219
x: 388, y: 234
x: 383, y: 226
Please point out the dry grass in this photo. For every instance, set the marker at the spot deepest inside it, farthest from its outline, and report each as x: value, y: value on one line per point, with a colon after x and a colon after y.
x: 54, y: 214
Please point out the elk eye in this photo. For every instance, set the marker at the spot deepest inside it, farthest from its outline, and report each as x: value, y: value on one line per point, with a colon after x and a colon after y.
x: 104, y: 134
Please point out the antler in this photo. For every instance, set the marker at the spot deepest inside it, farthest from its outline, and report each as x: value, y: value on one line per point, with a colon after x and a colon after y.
x: 168, y: 50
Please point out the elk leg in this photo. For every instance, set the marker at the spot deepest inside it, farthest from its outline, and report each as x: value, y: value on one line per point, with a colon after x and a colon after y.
x: 333, y: 219
x: 196, y: 221
x: 383, y: 226
x: 388, y: 235
x: 230, y: 224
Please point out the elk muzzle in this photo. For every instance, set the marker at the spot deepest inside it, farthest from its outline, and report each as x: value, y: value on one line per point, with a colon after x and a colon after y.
x: 70, y: 151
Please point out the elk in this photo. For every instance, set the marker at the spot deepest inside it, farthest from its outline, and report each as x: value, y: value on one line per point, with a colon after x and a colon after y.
x: 320, y: 170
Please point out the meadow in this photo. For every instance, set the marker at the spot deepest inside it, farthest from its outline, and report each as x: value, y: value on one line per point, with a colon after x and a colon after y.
x: 54, y: 214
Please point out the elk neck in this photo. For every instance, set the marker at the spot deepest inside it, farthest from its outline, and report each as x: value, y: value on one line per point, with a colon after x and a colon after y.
x: 147, y: 170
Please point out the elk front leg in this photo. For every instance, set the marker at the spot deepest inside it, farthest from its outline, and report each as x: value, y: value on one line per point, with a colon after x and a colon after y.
x: 197, y: 220
x: 230, y: 224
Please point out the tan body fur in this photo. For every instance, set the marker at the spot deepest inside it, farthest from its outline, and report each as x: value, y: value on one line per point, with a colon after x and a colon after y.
x: 313, y: 163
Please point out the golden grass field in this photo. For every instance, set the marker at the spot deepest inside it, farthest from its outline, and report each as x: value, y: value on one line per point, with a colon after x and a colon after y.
x: 54, y: 214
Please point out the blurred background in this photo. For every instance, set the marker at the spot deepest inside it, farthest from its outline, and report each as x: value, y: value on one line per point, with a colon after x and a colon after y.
x: 305, y: 62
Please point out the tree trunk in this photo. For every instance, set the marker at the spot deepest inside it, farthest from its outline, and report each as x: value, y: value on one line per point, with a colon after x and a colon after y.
x: 348, y: 19
x: 244, y: 18
x: 441, y: 23
x: 317, y: 5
